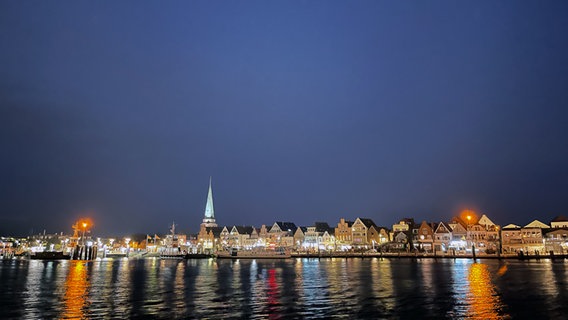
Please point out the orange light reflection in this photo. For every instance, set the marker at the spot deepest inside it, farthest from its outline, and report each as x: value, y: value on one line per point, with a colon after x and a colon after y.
x: 76, y: 291
x: 484, y: 303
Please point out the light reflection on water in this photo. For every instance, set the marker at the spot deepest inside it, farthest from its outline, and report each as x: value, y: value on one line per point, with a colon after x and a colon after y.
x: 76, y: 289
x: 296, y: 288
x: 428, y: 285
x: 484, y: 303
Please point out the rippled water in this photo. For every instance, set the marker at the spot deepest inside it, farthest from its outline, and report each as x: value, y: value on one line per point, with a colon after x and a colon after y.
x: 295, y: 288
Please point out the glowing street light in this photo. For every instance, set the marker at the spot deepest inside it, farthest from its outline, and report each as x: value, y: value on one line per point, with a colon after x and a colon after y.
x: 84, y: 229
x: 83, y: 225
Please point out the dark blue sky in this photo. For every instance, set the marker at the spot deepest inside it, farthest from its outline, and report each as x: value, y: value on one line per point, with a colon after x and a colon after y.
x: 300, y: 110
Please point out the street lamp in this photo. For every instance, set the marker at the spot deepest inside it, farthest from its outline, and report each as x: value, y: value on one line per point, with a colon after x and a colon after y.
x: 468, y: 227
x: 84, y: 224
x: 470, y: 237
x: 499, y: 243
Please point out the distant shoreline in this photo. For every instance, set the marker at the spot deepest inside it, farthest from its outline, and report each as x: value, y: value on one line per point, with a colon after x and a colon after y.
x: 428, y: 256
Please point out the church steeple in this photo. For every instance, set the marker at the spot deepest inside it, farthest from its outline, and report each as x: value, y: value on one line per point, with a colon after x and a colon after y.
x: 209, y: 219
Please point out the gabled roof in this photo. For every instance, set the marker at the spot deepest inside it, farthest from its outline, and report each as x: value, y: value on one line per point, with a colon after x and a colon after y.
x: 244, y: 229
x: 511, y: 226
x: 378, y: 228
x: 560, y: 219
x: 368, y: 222
x: 459, y: 220
x: 330, y: 232
x: 301, y: 229
x: 560, y: 231
x: 349, y: 223
x: 537, y: 224
x: 263, y: 228
x: 425, y: 224
x: 484, y: 221
x: 448, y: 229
x: 215, y: 230
x: 322, y: 227
x: 286, y: 226
x: 457, y: 227
x: 401, y: 234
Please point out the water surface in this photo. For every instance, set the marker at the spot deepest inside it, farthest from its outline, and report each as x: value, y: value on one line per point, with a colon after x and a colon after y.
x: 286, y: 289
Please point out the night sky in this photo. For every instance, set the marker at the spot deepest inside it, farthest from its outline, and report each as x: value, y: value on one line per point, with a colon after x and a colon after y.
x: 300, y: 111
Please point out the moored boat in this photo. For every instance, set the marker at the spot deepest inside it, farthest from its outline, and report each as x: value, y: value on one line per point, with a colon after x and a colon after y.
x: 50, y: 255
x: 254, y: 254
x: 113, y: 254
x: 172, y: 255
x: 196, y: 256
x: 172, y: 250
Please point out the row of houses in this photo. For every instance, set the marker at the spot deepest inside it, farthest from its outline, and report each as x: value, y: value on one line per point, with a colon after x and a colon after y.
x: 459, y: 235
x: 361, y: 233
x: 536, y: 237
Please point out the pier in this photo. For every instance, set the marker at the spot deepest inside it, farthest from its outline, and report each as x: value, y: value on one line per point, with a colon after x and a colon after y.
x: 426, y: 255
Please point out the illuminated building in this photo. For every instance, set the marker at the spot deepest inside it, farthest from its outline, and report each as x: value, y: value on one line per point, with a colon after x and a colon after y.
x: 209, y: 219
x: 425, y: 237
x: 343, y: 233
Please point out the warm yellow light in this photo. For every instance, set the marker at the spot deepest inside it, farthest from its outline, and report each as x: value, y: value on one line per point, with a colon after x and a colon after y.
x: 482, y: 300
x: 84, y: 224
x: 76, y: 289
x: 468, y: 216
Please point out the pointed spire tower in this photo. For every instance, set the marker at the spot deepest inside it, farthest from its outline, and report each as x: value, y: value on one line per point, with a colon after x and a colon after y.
x: 209, y: 219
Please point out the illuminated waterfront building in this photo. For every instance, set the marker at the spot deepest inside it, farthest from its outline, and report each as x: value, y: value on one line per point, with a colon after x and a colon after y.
x: 559, y: 222
x: 282, y: 234
x: 401, y: 234
x: 556, y: 241
x: 459, y: 235
x: 556, y: 238
x: 442, y: 237
x: 344, y: 233
x: 299, y: 237
x: 484, y: 235
x: 328, y: 241
x: 425, y: 237
x: 527, y: 239
x: 209, y: 237
x: 366, y: 233
x: 241, y: 237
x: 533, y: 241
x: 511, y: 239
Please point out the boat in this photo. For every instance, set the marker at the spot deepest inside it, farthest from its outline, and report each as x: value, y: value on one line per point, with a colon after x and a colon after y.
x: 172, y: 249
x: 172, y: 254
x: 115, y: 254
x: 234, y: 253
x: 197, y: 256
x: 50, y: 255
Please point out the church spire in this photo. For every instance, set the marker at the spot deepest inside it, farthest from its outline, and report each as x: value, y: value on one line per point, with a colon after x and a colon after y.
x: 209, y: 219
x: 209, y: 211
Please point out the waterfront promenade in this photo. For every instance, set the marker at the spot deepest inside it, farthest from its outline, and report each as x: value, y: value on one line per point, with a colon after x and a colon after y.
x: 424, y: 255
